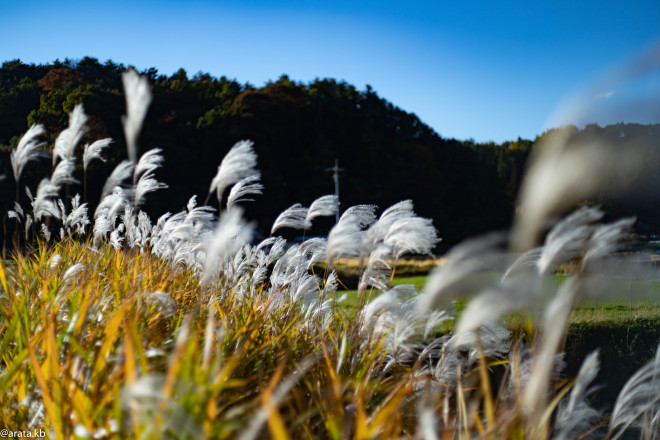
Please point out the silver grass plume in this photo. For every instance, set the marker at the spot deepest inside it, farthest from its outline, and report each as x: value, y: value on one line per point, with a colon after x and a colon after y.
x: 73, y: 271
x: 143, y: 179
x: 68, y: 139
x: 77, y: 220
x: 45, y: 232
x: 324, y: 206
x: 102, y: 227
x: 314, y: 250
x: 63, y: 173
x: 16, y: 213
x: 344, y: 239
x: 145, y: 185
x: 427, y: 425
x: 94, y: 150
x: 293, y: 217
x: 365, y: 214
x: 116, y: 238
x: 494, y: 338
x: 27, y: 150
x: 381, y: 303
x: 495, y: 301
x: 238, y: 163
x: 554, y: 325
x: 526, y: 262
x: 433, y: 320
x: 455, y: 276
x: 138, y: 98
x: 639, y: 397
x: 112, y: 204
x: 558, y: 311
x: 121, y: 172
x: 575, y: 416
x: 411, y: 235
x: 242, y: 188
x: 377, y: 231
x: 563, y: 174
x: 230, y: 235
x: 607, y: 239
x: 28, y: 224
x: 54, y: 261
x: 568, y: 238
x: 44, y: 204
x: 148, y: 163
x: 277, y: 248
x: 192, y: 202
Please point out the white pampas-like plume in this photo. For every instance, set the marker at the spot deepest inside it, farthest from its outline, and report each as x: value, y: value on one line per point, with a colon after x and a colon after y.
x: 238, y: 163
x: 639, y: 396
x: 565, y: 173
x: 321, y: 207
x: 344, y: 239
x: 63, y: 173
x: 121, y: 172
x: 377, y: 231
x: 55, y: 260
x: 148, y: 163
x: 493, y: 302
x: 73, y: 271
x: 145, y: 185
x: 381, y: 303
x: 44, y: 204
x: 143, y: 175
x: 16, y: 213
x: 28, y: 224
x: 293, y: 217
x: 314, y: 250
x: 554, y: 325
x: 192, y: 202
x: 45, y: 232
x: 607, y: 239
x: 93, y: 151
x: 243, y: 187
x: 68, y: 139
x: 568, y: 238
x: 230, y: 235
x: 411, y: 235
x: 494, y: 341
x: 77, y: 220
x: 27, y: 150
x: 456, y: 276
x: 364, y: 213
x: 102, y: 227
x: 116, y: 238
x: 112, y: 203
x: 576, y: 416
x: 138, y: 98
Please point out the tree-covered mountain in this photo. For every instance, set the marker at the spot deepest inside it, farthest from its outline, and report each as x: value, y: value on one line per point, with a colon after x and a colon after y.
x: 298, y: 130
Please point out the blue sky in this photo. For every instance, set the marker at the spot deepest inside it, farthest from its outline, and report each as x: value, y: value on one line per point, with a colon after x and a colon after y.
x: 475, y: 69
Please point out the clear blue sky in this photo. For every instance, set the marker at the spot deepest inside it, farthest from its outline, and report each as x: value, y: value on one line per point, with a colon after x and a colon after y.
x: 470, y: 69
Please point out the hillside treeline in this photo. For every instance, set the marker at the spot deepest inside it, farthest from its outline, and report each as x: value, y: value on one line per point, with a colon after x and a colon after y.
x: 298, y: 130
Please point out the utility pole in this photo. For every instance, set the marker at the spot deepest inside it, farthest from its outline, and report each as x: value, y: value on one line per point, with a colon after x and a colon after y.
x: 335, y: 177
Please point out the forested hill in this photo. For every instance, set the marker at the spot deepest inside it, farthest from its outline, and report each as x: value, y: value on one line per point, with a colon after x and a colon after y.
x: 298, y: 130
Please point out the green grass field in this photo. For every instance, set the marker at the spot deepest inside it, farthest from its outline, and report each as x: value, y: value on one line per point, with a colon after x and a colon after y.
x: 622, y: 300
